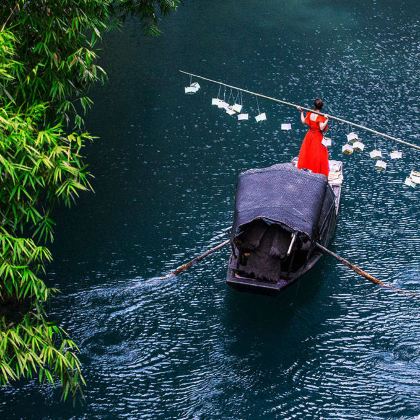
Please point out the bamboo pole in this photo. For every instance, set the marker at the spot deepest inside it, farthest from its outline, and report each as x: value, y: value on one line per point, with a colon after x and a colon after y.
x: 280, y: 101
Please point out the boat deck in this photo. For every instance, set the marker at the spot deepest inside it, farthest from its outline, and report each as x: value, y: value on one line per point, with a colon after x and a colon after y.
x: 335, y: 179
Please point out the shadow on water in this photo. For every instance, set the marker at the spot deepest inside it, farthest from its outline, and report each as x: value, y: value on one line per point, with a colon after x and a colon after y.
x: 273, y: 324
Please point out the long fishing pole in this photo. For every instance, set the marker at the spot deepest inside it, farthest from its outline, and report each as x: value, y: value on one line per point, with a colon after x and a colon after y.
x: 280, y: 101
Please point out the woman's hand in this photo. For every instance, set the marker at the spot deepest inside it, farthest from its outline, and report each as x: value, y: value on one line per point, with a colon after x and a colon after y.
x: 299, y: 109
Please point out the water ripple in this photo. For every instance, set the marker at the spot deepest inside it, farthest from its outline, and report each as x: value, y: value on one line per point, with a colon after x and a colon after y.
x: 335, y: 346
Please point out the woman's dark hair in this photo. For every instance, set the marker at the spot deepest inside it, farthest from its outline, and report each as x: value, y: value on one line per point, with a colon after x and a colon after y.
x: 318, y: 104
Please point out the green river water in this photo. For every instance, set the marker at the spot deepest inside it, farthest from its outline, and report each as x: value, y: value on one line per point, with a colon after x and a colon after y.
x: 166, y: 164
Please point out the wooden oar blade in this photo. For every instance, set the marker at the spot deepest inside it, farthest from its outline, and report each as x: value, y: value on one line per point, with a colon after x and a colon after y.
x: 365, y: 274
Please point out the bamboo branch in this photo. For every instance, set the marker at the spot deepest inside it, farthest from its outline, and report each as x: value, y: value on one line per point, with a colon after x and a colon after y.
x: 12, y: 11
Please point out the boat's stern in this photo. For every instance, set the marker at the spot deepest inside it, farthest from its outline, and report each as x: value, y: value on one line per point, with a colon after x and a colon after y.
x: 267, y: 257
x: 247, y: 284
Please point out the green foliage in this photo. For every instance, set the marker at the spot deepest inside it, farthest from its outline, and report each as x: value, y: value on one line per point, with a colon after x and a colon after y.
x: 37, y: 348
x: 21, y: 261
x: 148, y: 11
x: 39, y: 165
x: 48, y: 53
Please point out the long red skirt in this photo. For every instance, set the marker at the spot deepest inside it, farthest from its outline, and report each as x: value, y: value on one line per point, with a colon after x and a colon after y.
x: 313, y: 154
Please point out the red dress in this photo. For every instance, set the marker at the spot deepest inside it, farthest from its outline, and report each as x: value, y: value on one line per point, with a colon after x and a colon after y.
x: 313, y: 154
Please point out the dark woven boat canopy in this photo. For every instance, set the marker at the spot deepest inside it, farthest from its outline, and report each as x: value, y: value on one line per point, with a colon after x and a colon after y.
x: 281, y: 194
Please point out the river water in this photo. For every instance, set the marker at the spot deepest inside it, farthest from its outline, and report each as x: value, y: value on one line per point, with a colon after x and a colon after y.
x: 165, y: 168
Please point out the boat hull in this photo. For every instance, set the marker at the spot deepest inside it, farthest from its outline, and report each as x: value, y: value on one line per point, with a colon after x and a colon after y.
x: 241, y: 282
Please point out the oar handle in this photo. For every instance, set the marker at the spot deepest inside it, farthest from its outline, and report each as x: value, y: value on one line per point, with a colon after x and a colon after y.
x: 195, y: 260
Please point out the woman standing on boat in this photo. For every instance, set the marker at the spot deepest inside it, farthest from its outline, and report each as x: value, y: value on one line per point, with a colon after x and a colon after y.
x: 313, y: 154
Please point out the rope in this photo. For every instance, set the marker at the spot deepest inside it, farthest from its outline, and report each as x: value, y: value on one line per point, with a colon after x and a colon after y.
x: 230, y: 95
x: 280, y: 101
x: 237, y: 97
x: 258, y: 105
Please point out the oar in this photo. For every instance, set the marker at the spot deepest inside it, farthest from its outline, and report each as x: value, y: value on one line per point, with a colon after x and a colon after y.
x: 195, y: 260
x: 364, y: 274
x: 354, y: 267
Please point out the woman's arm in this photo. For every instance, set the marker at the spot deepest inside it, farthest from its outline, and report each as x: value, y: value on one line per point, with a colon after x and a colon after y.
x: 302, y: 116
x: 323, y: 124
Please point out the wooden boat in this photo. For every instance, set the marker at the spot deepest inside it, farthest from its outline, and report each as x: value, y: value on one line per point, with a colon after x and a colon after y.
x: 281, y: 212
